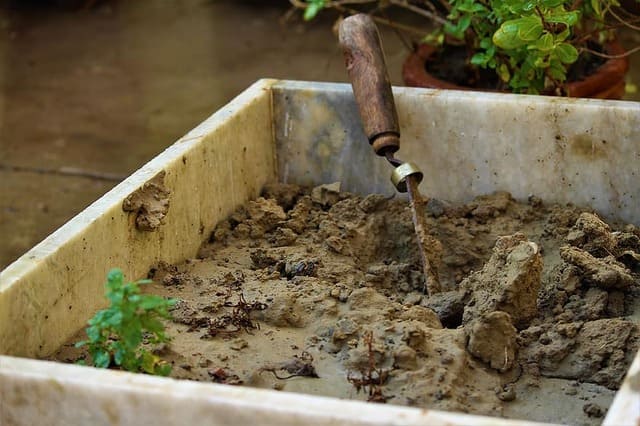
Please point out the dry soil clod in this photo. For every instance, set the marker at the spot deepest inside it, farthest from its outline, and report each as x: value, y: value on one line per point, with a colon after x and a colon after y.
x: 149, y: 203
x: 508, y: 282
x: 492, y: 338
x: 605, y: 273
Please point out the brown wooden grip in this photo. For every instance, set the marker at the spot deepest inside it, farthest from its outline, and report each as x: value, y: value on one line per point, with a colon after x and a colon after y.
x: 365, y: 64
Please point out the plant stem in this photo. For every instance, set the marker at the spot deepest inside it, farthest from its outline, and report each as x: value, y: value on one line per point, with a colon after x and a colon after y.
x: 419, y: 11
x: 604, y: 55
x: 342, y: 7
x: 627, y: 24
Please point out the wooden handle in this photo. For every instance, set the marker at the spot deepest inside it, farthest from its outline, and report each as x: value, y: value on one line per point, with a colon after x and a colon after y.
x: 365, y: 64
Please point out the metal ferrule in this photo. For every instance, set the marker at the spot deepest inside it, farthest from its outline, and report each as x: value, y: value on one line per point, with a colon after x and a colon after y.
x: 400, y: 173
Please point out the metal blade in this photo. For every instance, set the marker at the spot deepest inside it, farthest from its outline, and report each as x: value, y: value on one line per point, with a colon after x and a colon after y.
x: 417, y: 203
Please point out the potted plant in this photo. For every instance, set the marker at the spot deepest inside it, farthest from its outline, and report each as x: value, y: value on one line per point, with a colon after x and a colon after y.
x: 556, y: 47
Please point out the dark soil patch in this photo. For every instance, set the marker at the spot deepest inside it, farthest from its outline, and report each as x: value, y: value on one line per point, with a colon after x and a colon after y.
x: 452, y: 64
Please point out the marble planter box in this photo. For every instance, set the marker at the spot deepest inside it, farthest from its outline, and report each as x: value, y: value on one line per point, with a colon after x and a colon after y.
x: 562, y: 150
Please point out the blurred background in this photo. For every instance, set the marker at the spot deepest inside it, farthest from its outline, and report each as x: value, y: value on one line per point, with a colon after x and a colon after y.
x: 92, y: 89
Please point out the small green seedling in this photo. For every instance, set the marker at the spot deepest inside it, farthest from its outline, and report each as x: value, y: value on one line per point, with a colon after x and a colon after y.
x: 116, y: 335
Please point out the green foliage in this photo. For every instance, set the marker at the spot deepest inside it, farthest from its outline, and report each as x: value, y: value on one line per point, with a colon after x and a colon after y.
x: 527, y: 42
x: 116, y: 335
x: 530, y: 44
x: 312, y: 9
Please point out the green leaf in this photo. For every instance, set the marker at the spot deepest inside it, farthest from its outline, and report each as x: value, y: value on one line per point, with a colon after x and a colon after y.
x: 132, y: 334
x: 149, y: 302
x: 457, y: 30
x: 530, y: 28
x: 312, y: 9
x: 450, y: 29
x: 434, y: 38
x: 115, y: 277
x: 567, y: 18
x: 557, y: 70
x: 101, y: 359
x: 118, y: 356
x: 630, y: 88
x: 563, y: 35
x: 131, y: 288
x: 518, y: 6
x: 566, y: 53
x: 471, y: 6
x: 503, y: 73
x: 541, y: 62
x: 94, y: 333
x: 552, y: 3
x: 115, y: 334
x: 464, y: 23
x: 518, y: 32
x: 595, y: 5
x: 486, y: 43
x: 507, y: 37
x: 479, y: 58
x: 130, y: 362
x: 114, y: 320
x: 148, y: 362
x: 153, y: 325
x: 163, y: 369
x: 544, y: 43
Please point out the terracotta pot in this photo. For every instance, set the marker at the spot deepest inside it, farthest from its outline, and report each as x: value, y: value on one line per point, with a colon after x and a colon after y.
x: 606, y: 83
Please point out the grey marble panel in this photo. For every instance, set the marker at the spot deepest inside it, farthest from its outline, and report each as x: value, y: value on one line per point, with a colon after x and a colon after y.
x: 563, y: 150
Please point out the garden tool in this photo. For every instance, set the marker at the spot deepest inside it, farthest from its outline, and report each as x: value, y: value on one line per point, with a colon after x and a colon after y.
x: 367, y: 71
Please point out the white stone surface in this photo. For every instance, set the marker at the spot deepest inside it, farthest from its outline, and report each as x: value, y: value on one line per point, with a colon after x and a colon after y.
x: 45, y: 393
x: 467, y: 144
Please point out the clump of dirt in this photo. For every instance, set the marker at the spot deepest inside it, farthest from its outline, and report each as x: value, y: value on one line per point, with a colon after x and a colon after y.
x: 150, y: 203
x: 321, y: 292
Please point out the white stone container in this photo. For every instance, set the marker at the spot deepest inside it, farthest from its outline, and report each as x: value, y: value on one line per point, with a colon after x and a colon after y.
x: 581, y: 151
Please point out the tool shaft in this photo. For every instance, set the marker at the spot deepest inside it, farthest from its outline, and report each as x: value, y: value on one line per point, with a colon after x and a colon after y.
x: 425, y: 241
x: 367, y: 71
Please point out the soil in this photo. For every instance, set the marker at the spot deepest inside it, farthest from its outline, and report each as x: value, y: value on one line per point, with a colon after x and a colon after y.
x: 321, y: 292
x: 150, y: 203
x: 587, y: 63
x: 451, y: 63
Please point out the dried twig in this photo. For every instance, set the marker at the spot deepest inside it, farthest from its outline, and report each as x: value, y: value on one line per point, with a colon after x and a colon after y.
x: 298, y: 366
x: 604, y: 55
x: 371, y: 379
x: 240, y: 318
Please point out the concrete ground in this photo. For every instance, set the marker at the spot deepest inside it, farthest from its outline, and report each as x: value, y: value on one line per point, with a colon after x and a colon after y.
x: 88, y: 95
